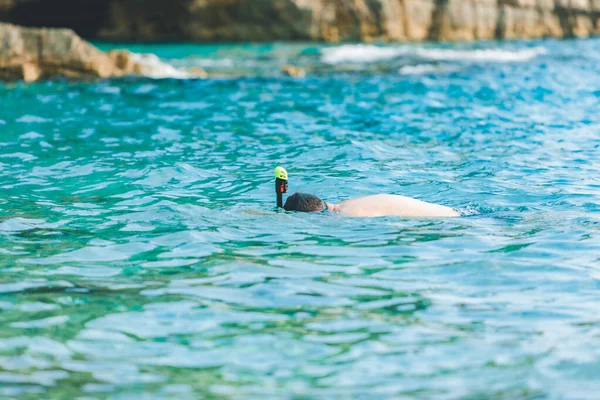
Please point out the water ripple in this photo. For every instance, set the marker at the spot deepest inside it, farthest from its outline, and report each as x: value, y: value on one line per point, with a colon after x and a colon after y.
x: 142, y: 256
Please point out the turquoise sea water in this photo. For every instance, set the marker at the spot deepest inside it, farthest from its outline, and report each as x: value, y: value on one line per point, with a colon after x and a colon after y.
x: 141, y: 255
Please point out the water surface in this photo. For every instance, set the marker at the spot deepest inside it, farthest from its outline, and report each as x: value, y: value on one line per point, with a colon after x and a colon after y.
x: 141, y: 255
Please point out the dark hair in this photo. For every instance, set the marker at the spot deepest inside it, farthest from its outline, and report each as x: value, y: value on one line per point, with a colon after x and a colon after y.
x: 303, y: 202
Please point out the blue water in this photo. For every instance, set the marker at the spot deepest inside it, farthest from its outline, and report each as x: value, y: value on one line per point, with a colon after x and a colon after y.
x: 141, y: 255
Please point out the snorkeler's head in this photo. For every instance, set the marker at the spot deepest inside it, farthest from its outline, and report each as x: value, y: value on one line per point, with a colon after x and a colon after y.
x: 304, y: 202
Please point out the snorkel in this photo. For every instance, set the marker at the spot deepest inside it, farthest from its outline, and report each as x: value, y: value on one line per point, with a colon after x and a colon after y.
x: 281, y: 184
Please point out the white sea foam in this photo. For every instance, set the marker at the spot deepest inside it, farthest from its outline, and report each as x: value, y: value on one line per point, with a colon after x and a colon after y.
x: 418, y: 69
x: 211, y: 62
x: 423, y: 69
x: 31, y: 136
x: 30, y: 119
x: 363, y: 54
x: 154, y: 67
x: 360, y: 53
x: 490, y: 55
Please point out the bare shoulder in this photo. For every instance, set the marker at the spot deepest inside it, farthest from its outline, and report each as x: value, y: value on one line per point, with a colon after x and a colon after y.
x: 391, y: 204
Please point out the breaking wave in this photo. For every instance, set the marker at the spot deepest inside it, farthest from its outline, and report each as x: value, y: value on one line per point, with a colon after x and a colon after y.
x: 493, y: 55
x: 154, y: 67
x: 424, y: 69
x: 362, y: 53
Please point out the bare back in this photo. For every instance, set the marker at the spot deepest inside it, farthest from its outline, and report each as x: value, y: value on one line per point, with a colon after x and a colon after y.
x: 389, y: 204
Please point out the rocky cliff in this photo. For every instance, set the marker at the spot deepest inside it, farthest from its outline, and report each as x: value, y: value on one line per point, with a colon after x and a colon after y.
x: 31, y: 54
x: 328, y: 20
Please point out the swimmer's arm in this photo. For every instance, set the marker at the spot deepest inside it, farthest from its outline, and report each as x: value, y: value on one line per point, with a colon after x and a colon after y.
x: 386, y: 204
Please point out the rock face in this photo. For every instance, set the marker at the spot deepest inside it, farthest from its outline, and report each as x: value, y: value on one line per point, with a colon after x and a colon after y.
x: 350, y: 20
x: 327, y: 20
x: 31, y: 54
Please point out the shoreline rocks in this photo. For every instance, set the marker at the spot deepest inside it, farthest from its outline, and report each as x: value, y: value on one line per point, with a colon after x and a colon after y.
x: 293, y: 71
x: 32, y: 54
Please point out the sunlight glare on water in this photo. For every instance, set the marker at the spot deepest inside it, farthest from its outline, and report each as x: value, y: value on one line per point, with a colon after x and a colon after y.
x: 141, y: 253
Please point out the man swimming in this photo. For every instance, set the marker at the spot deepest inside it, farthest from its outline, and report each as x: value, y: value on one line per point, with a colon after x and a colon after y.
x: 379, y: 205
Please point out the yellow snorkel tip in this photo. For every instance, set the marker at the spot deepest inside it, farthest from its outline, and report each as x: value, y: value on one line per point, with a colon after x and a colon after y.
x: 281, y: 173
x: 281, y: 184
